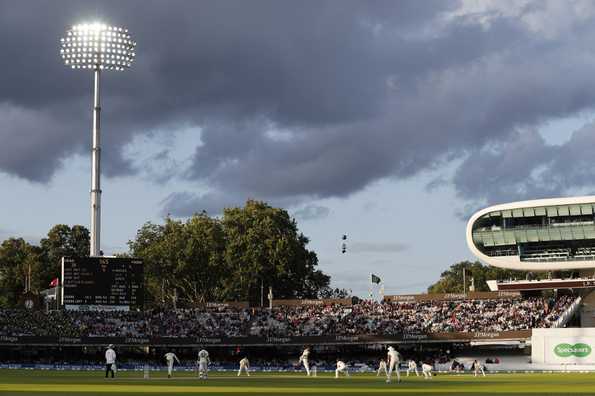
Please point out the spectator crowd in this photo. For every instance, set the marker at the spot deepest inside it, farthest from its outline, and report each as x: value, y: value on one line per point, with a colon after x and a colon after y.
x: 365, y: 318
x: 395, y: 318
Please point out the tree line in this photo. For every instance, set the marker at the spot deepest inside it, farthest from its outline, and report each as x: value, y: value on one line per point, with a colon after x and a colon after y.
x: 21, y: 260
x: 235, y: 257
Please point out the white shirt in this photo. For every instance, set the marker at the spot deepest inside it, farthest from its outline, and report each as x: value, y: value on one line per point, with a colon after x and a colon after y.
x: 382, y: 364
x: 341, y: 365
x: 305, y: 354
x: 412, y: 364
x: 110, y: 356
x: 203, y: 356
x: 170, y: 356
x: 426, y: 367
x: 393, y: 355
x: 244, y: 362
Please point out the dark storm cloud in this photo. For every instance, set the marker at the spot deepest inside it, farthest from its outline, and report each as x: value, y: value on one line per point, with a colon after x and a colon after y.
x: 33, y: 141
x: 299, y: 100
x: 524, y: 166
x: 505, y: 170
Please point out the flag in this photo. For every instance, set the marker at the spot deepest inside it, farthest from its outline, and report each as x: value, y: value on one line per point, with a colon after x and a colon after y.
x: 376, y: 279
x: 55, y: 282
x: 454, y: 321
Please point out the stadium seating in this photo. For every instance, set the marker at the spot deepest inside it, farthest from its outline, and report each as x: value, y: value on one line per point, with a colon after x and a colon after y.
x: 365, y: 318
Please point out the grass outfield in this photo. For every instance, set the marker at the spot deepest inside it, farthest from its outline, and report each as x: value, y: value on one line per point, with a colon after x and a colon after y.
x: 87, y: 383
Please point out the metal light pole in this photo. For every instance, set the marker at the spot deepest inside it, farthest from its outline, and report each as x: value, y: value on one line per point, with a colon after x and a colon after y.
x: 97, y: 47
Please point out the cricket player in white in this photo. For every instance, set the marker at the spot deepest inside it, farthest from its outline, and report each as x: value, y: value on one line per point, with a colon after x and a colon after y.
x: 244, y: 365
x: 393, y: 364
x: 478, y: 368
x: 426, y: 370
x: 341, y: 368
x: 304, y: 360
x: 382, y: 367
x: 169, y: 358
x: 412, y: 366
x: 203, y: 364
x: 110, y: 360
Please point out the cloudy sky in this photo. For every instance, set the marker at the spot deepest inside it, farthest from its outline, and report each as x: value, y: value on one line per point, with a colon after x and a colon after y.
x: 388, y: 121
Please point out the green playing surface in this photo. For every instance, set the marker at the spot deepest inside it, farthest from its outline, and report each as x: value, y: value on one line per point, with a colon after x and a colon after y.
x: 88, y: 383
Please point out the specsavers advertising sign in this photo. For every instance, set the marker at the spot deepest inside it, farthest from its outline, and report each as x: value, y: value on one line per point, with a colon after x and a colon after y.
x: 577, y: 350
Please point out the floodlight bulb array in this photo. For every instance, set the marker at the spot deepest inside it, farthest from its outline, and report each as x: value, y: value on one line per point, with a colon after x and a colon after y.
x: 97, y: 46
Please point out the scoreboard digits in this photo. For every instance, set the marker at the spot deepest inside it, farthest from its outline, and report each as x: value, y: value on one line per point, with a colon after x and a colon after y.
x: 102, y: 281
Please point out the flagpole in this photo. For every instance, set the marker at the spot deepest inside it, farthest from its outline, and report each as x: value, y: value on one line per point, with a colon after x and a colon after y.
x: 370, y: 288
x: 270, y: 296
x: 261, y: 293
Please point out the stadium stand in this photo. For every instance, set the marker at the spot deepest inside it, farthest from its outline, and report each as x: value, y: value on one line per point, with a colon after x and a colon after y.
x: 364, y: 318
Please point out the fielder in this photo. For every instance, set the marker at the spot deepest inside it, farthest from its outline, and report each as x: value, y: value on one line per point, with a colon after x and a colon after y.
x: 341, y: 368
x: 304, y: 360
x: 382, y: 367
x: 394, y: 358
x: 426, y: 370
x: 412, y: 366
x: 478, y: 368
x: 244, y: 365
x: 110, y: 360
x: 169, y: 358
x: 203, y: 364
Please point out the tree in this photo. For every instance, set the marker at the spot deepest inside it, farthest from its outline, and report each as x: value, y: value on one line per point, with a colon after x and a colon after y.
x: 451, y: 280
x: 16, y: 258
x: 62, y: 241
x: 265, y: 249
x: 202, y: 268
x: 236, y: 258
x: 20, y: 260
x: 183, y: 261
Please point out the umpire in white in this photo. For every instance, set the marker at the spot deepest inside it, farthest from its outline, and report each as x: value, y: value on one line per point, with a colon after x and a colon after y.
x: 110, y: 360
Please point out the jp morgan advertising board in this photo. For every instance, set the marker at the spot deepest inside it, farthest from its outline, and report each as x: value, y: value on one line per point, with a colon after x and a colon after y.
x: 563, y: 346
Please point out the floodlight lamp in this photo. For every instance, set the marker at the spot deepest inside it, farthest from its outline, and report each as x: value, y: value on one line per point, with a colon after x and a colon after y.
x: 98, y: 47
x: 93, y: 45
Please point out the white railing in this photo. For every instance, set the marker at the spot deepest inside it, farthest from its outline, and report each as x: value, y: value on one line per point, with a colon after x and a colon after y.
x: 568, y: 313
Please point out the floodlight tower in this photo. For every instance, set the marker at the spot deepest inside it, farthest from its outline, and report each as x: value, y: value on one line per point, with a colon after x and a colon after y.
x: 97, y: 47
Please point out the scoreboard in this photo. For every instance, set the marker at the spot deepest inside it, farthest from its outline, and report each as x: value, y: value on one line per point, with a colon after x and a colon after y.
x: 102, y: 283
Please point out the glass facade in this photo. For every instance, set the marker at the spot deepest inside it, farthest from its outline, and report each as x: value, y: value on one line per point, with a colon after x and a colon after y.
x: 538, y: 234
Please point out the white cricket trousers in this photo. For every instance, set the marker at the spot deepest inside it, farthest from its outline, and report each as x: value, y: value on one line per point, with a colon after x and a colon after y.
x: 306, y: 366
x: 393, y: 366
x: 413, y: 369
